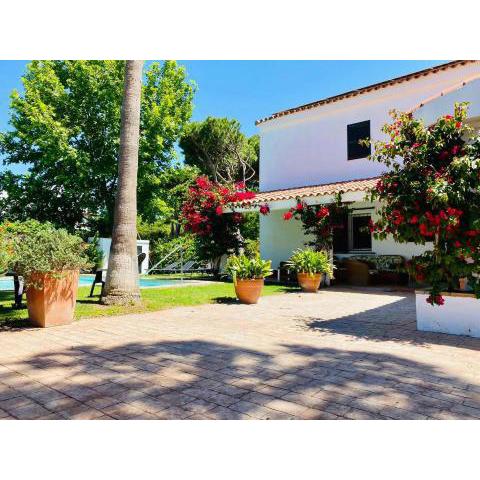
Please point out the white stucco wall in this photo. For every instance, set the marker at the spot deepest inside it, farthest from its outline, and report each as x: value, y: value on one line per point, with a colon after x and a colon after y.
x: 310, y: 147
x: 104, y: 246
x: 279, y: 238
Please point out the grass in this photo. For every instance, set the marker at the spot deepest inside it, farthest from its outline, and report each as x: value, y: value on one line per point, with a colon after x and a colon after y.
x: 153, y: 299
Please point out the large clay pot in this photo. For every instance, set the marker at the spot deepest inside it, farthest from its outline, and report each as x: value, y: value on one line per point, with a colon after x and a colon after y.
x: 309, y: 283
x: 54, y: 303
x: 249, y: 291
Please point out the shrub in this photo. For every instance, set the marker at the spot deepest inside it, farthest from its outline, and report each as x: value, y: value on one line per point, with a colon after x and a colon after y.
x: 247, y: 268
x: 432, y: 195
x: 94, y: 253
x: 252, y: 247
x: 311, y: 262
x: 41, y: 248
x: 319, y: 221
x: 208, y: 213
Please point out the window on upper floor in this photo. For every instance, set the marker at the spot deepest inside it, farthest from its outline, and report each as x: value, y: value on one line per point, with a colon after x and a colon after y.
x: 355, y: 133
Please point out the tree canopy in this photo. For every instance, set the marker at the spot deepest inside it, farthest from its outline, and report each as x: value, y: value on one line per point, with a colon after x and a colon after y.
x: 65, y: 127
x: 220, y: 150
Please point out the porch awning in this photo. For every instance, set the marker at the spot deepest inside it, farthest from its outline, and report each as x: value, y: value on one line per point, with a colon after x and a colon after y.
x: 317, y: 190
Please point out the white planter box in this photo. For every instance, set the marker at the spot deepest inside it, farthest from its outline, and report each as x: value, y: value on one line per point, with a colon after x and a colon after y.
x: 460, y: 315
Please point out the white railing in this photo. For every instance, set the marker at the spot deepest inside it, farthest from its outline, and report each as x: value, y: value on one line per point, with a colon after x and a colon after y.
x: 164, y: 258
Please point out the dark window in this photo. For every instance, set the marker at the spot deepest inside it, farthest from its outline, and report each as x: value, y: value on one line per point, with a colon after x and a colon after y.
x: 356, y: 132
x: 361, y: 236
x: 340, y: 236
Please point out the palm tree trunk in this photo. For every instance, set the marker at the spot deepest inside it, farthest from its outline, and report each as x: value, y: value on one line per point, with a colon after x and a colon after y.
x: 121, y: 285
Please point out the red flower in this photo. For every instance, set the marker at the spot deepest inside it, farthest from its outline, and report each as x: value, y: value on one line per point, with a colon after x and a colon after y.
x: 424, y: 231
x: 264, y: 209
x: 471, y: 233
x: 439, y: 300
x: 454, y: 212
x: 447, y: 117
x: 455, y: 149
x: 299, y: 207
x: 457, y: 244
x: 322, y: 212
x: 219, y: 210
x: 413, y: 219
x: 435, y: 300
x: 443, y: 155
x: 416, y: 145
x: 240, y: 185
x: 202, y: 182
x: 288, y: 215
x: 458, y: 125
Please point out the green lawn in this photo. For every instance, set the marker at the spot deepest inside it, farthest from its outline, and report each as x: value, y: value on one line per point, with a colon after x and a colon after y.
x: 153, y: 299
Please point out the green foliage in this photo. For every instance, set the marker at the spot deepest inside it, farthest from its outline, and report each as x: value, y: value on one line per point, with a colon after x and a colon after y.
x: 310, y: 261
x: 250, y: 227
x: 41, y: 248
x: 252, y: 247
x: 94, y: 253
x: 65, y: 128
x: 243, y: 267
x: 220, y: 150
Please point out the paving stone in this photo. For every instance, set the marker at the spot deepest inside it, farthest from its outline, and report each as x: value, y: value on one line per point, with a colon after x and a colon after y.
x: 223, y: 413
x: 345, y: 354
x: 29, y: 411
x: 286, y: 407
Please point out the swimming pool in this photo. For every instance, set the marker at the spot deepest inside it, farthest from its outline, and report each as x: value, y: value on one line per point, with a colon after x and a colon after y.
x: 6, y: 283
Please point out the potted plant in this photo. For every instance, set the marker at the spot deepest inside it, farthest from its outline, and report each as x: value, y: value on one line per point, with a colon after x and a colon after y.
x: 432, y: 198
x: 248, y: 275
x: 49, y: 260
x: 310, y: 265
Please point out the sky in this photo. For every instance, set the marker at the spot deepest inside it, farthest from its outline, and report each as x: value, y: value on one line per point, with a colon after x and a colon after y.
x: 250, y: 90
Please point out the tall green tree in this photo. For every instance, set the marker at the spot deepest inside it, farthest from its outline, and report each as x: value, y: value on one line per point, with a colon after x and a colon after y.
x: 220, y: 150
x: 65, y: 128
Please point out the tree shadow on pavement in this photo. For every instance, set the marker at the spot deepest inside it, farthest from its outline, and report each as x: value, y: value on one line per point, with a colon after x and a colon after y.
x: 209, y: 380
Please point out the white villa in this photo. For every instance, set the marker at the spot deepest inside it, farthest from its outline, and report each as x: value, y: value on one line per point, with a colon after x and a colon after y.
x: 312, y: 152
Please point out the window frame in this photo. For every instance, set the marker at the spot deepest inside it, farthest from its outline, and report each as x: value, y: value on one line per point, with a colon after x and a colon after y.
x: 351, y: 232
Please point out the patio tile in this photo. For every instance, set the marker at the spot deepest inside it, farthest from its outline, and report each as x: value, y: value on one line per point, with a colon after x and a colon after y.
x: 345, y: 354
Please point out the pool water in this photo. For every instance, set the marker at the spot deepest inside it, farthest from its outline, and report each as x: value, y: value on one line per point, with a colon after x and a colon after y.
x: 6, y: 283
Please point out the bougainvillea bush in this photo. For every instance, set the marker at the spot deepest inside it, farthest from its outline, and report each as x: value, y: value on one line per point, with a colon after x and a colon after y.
x: 431, y: 193
x: 209, y: 213
x: 319, y: 221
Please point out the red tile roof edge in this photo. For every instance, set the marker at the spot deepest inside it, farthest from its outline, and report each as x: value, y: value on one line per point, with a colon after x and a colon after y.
x: 359, y: 91
x: 317, y: 190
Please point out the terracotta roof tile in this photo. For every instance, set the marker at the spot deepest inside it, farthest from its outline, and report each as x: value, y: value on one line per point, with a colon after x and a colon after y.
x: 369, y: 88
x: 317, y: 190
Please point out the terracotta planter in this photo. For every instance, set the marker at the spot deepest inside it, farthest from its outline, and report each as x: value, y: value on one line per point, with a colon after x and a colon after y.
x: 309, y: 283
x: 249, y: 291
x: 54, y: 303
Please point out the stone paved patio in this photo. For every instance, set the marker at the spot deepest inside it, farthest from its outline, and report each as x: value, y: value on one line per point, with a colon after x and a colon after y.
x: 340, y: 354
